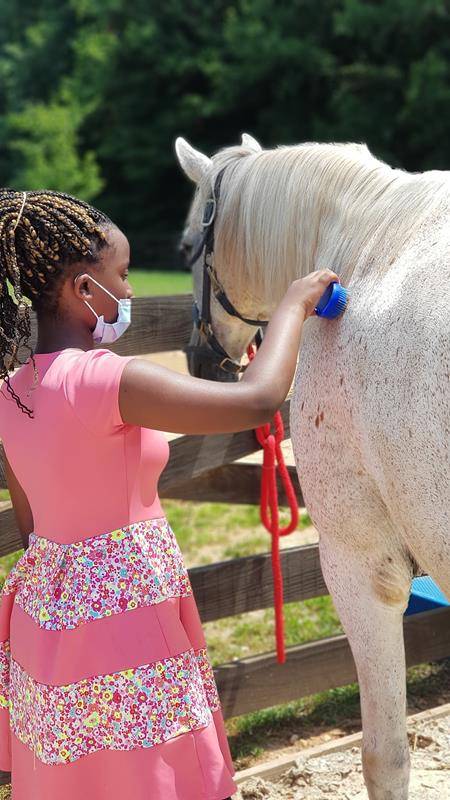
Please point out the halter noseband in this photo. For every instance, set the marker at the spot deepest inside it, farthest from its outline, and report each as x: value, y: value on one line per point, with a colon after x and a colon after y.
x: 210, y: 281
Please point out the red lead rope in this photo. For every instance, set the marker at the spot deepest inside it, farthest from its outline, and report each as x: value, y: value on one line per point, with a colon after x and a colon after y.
x: 271, y: 442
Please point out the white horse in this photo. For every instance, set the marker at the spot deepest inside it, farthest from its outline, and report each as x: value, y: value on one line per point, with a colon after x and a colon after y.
x: 370, y: 407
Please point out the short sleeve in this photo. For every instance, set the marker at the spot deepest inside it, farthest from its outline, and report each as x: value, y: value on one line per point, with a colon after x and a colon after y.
x: 91, y: 386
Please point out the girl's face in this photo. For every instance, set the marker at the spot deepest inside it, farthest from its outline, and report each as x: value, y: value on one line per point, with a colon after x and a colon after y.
x: 116, y: 260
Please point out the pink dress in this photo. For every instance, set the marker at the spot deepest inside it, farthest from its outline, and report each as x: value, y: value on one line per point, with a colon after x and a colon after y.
x: 106, y: 690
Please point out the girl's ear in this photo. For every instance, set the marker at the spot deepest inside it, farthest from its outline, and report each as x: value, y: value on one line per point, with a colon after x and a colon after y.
x: 193, y: 163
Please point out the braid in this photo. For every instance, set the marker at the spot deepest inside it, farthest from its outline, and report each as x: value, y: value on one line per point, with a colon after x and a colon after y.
x: 41, y: 234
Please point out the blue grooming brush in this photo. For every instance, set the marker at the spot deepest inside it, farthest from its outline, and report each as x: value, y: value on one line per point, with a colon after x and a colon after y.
x: 333, y: 301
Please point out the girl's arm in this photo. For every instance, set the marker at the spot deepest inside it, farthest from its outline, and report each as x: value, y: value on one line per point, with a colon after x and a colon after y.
x: 154, y: 396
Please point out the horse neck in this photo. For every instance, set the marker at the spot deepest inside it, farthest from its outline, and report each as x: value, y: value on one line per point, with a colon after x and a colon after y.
x: 293, y: 212
x: 369, y: 225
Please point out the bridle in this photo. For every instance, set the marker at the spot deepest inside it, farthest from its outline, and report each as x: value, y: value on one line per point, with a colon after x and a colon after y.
x: 202, y: 319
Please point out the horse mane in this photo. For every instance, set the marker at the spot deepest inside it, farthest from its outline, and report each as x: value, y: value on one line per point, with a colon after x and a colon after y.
x: 286, y: 211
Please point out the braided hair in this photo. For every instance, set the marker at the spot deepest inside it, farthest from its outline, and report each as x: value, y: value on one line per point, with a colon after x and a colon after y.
x: 41, y: 234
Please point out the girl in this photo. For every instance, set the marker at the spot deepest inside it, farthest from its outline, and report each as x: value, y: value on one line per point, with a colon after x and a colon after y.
x: 106, y: 688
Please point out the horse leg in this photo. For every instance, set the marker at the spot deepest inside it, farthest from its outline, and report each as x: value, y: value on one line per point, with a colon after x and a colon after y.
x: 370, y: 592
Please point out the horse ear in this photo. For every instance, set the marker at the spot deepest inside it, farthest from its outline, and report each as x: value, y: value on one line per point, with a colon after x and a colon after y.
x: 249, y: 141
x: 195, y: 164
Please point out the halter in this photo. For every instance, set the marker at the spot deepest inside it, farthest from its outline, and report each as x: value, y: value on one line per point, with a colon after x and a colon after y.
x: 210, y: 281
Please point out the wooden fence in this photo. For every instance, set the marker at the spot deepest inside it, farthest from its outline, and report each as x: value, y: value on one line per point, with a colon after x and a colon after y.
x: 202, y: 468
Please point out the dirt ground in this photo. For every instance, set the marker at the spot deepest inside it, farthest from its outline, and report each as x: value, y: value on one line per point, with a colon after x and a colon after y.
x: 339, y: 775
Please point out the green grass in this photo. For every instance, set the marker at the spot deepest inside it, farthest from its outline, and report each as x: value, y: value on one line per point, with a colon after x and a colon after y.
x: 145, y: 282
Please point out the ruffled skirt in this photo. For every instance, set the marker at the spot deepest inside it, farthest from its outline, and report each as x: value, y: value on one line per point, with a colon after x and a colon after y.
x: 106, y: 689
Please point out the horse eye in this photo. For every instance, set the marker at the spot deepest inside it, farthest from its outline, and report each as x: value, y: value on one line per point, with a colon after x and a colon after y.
x: 186, y: 247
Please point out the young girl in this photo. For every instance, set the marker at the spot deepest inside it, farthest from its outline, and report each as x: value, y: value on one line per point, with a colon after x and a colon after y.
x: 106, y: 689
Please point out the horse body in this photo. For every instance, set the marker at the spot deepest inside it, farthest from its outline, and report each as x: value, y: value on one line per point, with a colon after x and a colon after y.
x: 369, y: 410
x: 370, y: 434
x: 371, y: 393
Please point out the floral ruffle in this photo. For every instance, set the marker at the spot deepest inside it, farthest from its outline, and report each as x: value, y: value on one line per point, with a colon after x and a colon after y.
x: 138, y: 707
x: 65, y: 585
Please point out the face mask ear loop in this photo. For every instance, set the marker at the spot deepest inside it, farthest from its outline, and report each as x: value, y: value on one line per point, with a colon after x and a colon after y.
x: 104, y: 289
x: 101, y: 287
x: 94, y: 312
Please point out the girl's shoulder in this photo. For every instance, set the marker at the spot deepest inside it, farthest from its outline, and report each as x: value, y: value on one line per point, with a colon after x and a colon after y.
x: 91, y: 384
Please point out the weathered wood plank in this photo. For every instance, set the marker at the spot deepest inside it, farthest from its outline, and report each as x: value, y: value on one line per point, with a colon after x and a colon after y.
x: 259, y: 681
x: 160, y: 323
x: 245, y: 584
x: 10, y: 539
x: 231, y: 483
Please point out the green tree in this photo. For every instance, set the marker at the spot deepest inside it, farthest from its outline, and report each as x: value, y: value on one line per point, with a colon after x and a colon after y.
x: 94, y: 92
x: 43, y: 139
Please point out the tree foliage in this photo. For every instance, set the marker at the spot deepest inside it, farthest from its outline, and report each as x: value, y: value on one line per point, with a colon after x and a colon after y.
x: 94, y: 92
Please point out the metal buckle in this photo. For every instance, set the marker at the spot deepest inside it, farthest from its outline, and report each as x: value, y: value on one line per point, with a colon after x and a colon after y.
x: 236, y: 367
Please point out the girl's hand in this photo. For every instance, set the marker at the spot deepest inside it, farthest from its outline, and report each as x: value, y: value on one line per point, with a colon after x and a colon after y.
x: 308, y: 291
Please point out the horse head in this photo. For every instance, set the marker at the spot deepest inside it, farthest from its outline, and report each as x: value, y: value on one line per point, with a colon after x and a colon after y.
x: 228, y: 330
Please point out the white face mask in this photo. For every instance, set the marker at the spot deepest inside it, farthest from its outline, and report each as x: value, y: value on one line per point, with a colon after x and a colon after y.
x: 110, y: 331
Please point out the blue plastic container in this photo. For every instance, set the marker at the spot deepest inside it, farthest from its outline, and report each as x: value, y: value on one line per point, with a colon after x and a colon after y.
x: 425, y: 595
